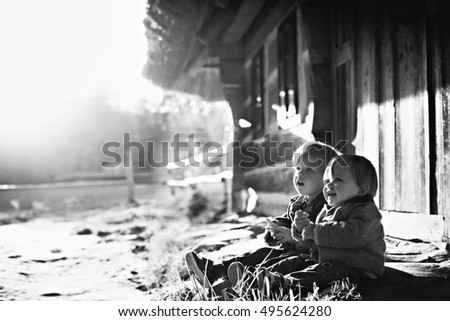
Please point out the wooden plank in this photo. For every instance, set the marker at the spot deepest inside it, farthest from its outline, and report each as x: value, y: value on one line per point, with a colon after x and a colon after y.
x: 429, y: 228
x: 272, y: 99
x: 248, y: 83
x: 235, y: 97
x: 271, y: 204
x: 435, y: 110
x: 443, y: 198
x: 272, y: 52
x: 385, y: 65
x: 271, y: 80
x: 305, y: 96
x: 411, y: 103
x: 365, y: 84
x: 344, y: 64
x: 423, y: 83
x: 323, y: 110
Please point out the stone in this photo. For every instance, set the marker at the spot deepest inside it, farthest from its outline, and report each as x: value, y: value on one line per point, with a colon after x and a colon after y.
x: 84, y: 231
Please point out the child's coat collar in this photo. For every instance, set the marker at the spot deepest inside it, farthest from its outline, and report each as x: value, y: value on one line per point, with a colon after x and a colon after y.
x: 357, y: 199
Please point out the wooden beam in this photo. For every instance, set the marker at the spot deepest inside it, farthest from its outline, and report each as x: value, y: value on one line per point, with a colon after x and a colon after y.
x: 197, y: 57
x: 212, y: 29
x: 315, y: 21
x: 232, y: 72
x: 321, y: 89
x: 233, y: 50
x: 242, y: 20
x: 271, y: 15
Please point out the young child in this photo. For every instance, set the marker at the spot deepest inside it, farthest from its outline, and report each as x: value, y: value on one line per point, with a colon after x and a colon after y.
x: 348, y: 233
x: 309, y: 161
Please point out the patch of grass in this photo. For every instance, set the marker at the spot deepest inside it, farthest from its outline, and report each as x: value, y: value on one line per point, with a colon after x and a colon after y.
x: 166, y: 264
x: 247, y: 290
x: 165, y: 252
x: 338, y: 291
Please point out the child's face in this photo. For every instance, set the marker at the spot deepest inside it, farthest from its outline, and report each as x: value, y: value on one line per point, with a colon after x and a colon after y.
x: 339, y: 186
x: 308, y: 177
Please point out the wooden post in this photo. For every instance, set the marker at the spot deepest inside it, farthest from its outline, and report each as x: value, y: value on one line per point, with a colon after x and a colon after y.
x: 129, y: 173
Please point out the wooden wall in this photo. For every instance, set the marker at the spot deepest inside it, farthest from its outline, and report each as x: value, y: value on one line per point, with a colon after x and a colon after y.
x: 396, y: 107
x: 391, y: 92
x: 401, y: 70
x: 396, y: 87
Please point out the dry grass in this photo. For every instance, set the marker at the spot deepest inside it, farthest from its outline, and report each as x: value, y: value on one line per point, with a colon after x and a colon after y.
x: 171, y: 277
x: 166, y: 264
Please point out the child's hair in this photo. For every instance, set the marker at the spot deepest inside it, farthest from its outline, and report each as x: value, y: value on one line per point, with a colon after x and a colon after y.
x: 362, y: 171
x: 318, y: 152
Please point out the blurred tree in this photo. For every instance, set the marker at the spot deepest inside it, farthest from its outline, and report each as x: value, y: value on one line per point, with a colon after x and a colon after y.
x: 72, y: 147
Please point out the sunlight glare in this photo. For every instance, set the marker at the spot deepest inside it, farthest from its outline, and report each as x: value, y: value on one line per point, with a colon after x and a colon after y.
x: 54, y: 51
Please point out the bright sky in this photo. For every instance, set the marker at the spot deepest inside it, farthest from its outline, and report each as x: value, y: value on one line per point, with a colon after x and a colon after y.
x: 53, y: 51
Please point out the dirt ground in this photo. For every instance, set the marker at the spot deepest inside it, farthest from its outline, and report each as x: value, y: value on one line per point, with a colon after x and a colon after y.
x: 85, y: 254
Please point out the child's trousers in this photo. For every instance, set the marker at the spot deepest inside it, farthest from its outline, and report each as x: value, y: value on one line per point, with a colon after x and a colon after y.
x: 277, y: 260
x: 323, y: 274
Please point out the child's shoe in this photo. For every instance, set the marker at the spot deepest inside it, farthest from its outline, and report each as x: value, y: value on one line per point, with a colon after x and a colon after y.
x: 241, y: 278
x: 202, y: 268
x: 272, y: 281
x: 235, y: 273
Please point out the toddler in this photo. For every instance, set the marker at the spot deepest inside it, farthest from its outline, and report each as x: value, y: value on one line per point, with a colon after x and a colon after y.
x: 347, y: 234
x: 309, y: 163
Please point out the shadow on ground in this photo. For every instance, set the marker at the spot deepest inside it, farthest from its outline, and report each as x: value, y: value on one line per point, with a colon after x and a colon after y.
x: 397, y: 285
x: 415, y: 270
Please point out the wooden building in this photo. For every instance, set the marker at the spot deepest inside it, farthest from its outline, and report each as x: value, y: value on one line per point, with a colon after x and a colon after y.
x: 374, y: 73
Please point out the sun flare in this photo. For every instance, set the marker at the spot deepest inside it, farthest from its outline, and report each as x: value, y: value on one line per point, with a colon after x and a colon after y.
x: 55, y: 51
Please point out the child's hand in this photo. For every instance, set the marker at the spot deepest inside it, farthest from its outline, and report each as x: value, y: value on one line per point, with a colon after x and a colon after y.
x: 301, y: 220
x: 296, y: 234
x: 271, y: 226
x: 283, y: 235
x: 308, y: 232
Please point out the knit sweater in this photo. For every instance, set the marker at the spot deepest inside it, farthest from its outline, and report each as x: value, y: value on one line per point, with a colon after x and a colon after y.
x: 352, y: 234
